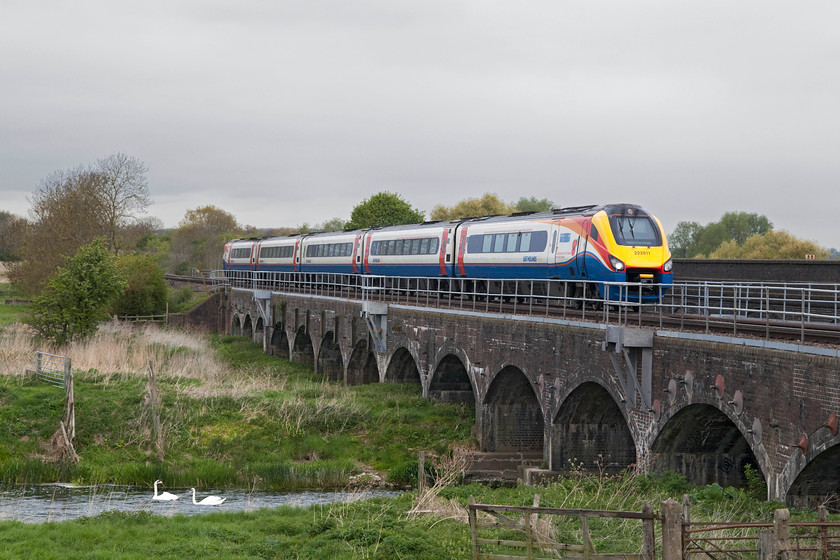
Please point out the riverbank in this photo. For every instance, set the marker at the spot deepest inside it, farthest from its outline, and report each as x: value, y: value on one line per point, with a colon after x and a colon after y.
x: 378, y: 528
x: 229, y: 416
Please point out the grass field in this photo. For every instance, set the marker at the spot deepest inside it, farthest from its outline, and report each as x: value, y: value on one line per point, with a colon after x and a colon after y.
x: 229, y: 415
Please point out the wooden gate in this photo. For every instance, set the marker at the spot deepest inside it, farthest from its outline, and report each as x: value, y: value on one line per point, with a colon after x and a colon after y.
x: 513, y: 532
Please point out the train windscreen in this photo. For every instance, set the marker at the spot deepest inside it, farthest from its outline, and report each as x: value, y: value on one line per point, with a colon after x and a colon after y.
x: 635, y: 229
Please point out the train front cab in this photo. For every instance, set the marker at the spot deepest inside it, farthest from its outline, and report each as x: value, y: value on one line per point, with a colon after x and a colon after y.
x: 637, y: 253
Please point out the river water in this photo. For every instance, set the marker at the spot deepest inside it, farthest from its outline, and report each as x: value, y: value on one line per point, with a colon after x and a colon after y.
x: 60, y: 502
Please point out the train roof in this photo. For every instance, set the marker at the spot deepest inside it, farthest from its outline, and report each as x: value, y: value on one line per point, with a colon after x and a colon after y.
x: 568, y: 211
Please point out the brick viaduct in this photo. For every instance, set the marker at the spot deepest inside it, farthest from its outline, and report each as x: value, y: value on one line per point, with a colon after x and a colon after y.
x: 582, y: 394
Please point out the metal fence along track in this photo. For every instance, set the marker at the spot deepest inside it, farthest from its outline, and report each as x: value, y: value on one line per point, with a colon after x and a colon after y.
x: 801, y: 312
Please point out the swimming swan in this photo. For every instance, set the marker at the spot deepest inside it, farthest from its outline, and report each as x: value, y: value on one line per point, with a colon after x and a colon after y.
x: 165, y: 496
x: 208, y: 501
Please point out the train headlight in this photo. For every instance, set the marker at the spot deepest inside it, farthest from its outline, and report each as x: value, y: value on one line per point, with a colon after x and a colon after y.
x: 669, y: 264
x: 616, y: 263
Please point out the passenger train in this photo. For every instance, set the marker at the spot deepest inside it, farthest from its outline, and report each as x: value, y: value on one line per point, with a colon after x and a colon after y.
x: 588, y: 245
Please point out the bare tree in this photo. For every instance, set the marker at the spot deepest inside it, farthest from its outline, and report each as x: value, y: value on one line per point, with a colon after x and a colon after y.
x: 124, y: 195
x: 12, y: 229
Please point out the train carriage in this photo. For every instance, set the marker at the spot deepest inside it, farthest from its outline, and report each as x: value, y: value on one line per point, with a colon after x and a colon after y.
x: 331, y: 253
x: 277, y: 254
x: 505, y: 247
x: 239, y: 254
x: 423, y: 250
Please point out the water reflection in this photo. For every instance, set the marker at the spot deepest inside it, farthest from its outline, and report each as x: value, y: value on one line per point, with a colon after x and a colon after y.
x: 60, y: 502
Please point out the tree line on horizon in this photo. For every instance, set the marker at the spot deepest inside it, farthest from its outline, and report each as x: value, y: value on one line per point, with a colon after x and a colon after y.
x: 95, y: 212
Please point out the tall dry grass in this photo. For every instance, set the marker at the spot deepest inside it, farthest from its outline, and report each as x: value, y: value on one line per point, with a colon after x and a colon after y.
x: 17, y: 350
x: 123, y: 351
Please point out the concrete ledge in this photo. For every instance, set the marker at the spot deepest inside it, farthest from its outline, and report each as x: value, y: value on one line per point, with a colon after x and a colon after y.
x: 531, y: 476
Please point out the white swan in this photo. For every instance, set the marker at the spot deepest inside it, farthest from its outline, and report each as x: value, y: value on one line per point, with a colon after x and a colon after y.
x: 165, y: 496
x: 208, y: 501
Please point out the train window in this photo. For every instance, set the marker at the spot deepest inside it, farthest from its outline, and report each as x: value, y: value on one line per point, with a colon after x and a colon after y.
x: 415, y: 246
x: 241, y: 253
x: 525, y: 241
x: 499, y: 243
x: 594, y: 233
x: 539, y: 239
x: 512, y: 238
x: 392, y: 247
x: 635, y: 230
x: 433, y: 245
x: 424, y: 246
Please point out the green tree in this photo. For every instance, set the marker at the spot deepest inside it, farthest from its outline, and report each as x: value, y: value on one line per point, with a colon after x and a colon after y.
x: 77, y: 296
x: 336, y: 224
x: 383, y: 209
x: 770, y: 245
x: 533, y: 205
x: 199, y: 240
x: 683, y: 239
x: 488, y: 205
x: 145, y: 292
x: 689, y: 239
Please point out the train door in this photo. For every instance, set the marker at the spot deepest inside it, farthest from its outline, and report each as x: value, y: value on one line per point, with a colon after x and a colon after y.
x: 296, y: 256
x: 460, y: 250
x: 580, y: 250
x: 356, y: 257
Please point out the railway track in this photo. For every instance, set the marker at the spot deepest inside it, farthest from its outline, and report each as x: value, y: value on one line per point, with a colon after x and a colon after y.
x: 794, y: 313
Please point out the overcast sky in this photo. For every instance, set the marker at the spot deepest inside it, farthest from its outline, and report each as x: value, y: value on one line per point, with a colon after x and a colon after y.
x: 283, y: 112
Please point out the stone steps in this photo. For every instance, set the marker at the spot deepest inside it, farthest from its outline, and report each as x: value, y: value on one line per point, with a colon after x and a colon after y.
x: 499, y: 466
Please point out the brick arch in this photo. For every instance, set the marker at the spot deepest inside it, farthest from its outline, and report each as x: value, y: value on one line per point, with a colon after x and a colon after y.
x: 590, y: 430
x: 248, y: 327
x: 451, y: 382
x: 280, y: 342
x: 809, y: 479
x: 302, y: 349
x: 362, y: 368
x: 330, y: 361
x: 259, y: 330
x: 704, y: 444
x: 512, y: 418
x: 402, y: 367
x: 236, y: 324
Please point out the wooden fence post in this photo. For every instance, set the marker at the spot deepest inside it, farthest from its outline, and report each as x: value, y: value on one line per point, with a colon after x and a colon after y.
x: 70, y: 398
x: 671, y: 530
x: 473, y: 527
x: 153, y: 410
x: 648, y: 527
x: 421, y: 474
x: 823, y: 512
